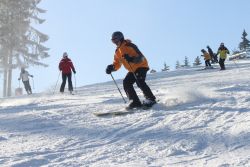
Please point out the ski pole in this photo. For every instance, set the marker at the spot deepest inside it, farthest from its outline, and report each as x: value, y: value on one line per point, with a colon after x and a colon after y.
x: 118, y: 88
x: 56, y: 82
x: 33, y: 83
x: 75, y: 83
x: 236, y: 64
x: 134, y: 74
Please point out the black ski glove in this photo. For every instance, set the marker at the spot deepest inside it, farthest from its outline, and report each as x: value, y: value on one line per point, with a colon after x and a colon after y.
x: 128, y: 58
x: 110, y: 68
x: 74, y: 71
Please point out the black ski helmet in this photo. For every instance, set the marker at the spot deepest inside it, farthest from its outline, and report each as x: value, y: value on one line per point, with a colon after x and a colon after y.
x: 117, y: 36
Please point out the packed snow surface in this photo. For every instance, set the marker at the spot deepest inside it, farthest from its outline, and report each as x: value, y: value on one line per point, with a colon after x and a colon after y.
x: 202, y: 119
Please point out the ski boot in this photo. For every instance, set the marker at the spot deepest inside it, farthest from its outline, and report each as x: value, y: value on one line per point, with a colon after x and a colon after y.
x: 148, y: 103
x: 134, y: 105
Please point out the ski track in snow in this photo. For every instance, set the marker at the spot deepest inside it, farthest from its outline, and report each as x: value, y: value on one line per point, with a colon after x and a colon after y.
x: 202, y: 119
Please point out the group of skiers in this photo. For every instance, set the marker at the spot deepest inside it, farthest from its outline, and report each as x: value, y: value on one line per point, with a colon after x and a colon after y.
x: 65, y: 66
x: 211, y: 56
x: 128, y: 55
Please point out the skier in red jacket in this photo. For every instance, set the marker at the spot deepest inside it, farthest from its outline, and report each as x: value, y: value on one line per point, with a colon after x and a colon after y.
x: 66, y: 66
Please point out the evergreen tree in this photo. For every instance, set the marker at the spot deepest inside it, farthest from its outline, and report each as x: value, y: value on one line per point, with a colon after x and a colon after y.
x: 177, y: 65
x: 186, y: 62
x: 197, y: 61
x: 152, y: 71
x: 166, y: 67
x: 245, y: 44
x: 21, y: 44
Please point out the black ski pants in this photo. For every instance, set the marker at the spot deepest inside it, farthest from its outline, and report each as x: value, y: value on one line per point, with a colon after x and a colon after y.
x: 207, y: 62
x: 215, y: 58
x: 64, y: 77
x: 27, y: 86
x: 222, y: 65
x: 130, y: 79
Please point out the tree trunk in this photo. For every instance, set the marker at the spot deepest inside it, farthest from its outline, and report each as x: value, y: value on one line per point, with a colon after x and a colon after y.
x: 5, y: 74
x: 5, y: 83
x: 9, y: 90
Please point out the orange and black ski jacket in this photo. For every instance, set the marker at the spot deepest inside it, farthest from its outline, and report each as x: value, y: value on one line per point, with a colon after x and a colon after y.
x: 127, y: 47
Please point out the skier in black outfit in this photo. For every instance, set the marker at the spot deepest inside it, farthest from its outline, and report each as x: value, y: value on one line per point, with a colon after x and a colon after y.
x: 213, y: 56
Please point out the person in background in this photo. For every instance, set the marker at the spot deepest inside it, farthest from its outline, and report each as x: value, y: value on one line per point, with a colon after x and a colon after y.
x: 207, y: 58
x: 128, y: 55
x: 222, y: 51
x: 66, y: 66
x: 214, y: 58
x: 24, y: 75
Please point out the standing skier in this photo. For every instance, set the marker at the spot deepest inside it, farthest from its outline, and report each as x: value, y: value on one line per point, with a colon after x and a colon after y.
x: 213, y: 56
x: 24, y: 75
x: 128, y: 55
x: 207, y: 58
x: 223, y: 51
x: 66, y: 66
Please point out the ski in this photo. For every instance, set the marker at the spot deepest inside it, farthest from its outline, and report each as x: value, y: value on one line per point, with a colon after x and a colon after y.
x: 123, y: 112
x: 206, y: 69
x: 113, y: 113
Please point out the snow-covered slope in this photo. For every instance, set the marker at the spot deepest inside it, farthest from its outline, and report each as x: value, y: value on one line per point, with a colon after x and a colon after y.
x: 202, y: 119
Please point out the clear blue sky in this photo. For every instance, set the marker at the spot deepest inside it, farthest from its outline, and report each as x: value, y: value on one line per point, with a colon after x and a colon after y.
x: 164, y: 30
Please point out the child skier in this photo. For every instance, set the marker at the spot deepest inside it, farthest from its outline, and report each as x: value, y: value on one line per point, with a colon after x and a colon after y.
x: 223, y: 51
x: 128, y: 55
x: 207, y: 58
x: 66, y: 66
x: 24, y: 75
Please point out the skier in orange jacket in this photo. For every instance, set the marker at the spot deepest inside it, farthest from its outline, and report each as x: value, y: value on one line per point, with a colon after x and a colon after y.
x: 128, y: 55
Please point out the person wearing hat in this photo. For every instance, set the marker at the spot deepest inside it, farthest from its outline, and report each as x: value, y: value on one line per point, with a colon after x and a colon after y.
x: 207, y: 58
x: 66, y: 66
x: 222, y: 51
x: 24, y: 75
x: 128, y: 55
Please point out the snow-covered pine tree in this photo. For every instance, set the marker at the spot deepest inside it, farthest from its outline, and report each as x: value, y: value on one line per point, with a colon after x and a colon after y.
x: 152, y: 71
x: 21, y: 44
x: 244, y: 46
x: 177, y: 65
x: 186, y: 62
x: 197, y: 61
x: 166, y: 67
